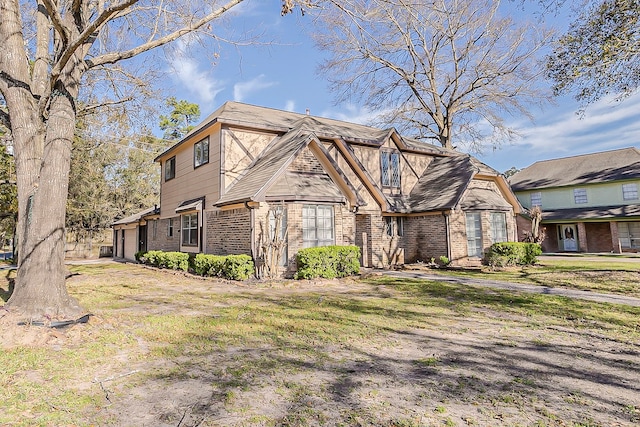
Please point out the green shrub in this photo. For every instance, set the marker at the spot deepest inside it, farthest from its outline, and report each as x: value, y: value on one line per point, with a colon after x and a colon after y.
x: 139, y: 255
x: 328, y: 262
x: 234, y: 267
x: 237, y: 267
x: 170, y: 260
x: 208, y: 265
x: 505, y: 254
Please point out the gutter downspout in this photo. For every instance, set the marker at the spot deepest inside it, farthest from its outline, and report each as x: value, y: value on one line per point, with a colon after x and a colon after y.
x: 447, y: 235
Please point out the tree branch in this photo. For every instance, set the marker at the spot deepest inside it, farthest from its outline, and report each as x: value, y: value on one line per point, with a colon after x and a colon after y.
x: 5, y: 119
x: 113, y: 57
x: 88, y: 109
x: 56, y: 20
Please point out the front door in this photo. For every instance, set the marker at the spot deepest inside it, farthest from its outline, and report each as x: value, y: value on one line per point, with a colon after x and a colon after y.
x: 142, y: 238
x: 568, y: 237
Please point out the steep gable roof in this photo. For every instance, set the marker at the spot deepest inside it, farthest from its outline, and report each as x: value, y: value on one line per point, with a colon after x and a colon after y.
x: 442, y: 184
x: 251, y: 116
x: 266, y: 168
x: 593, y: 168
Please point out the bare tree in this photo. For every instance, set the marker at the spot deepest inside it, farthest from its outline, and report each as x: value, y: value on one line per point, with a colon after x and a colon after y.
x: 50, y: 49
x: 445, y: 70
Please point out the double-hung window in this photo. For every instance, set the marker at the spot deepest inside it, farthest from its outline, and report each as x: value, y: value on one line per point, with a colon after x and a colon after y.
x: 317, y: 225
x: 190, y: 229
x: 536, y: 199
x: 498, y: 227
x: 394, y: 226
x: 170, y: 228
x: 201, y: 152
x: 390, y: 168
x: 474, y: 234
x: 170, y: 169
x: 630, y: 191
x: 580, y: 195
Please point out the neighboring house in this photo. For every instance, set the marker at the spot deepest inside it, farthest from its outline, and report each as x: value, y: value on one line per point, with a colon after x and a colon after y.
x: 130, y: 234
x: 589, y: 203
x: 340, y: 183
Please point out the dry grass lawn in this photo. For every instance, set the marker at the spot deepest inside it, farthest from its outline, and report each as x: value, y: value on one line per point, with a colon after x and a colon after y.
x: 168, y: 349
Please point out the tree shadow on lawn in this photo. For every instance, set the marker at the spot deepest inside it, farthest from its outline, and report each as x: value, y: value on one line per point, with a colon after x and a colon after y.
x: 386, y: 360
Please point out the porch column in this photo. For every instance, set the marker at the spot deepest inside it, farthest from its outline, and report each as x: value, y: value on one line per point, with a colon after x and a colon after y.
x: 615, y: 237
x: 582, y: 238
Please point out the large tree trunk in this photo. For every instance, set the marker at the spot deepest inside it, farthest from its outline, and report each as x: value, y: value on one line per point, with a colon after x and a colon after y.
x: 42, y: 153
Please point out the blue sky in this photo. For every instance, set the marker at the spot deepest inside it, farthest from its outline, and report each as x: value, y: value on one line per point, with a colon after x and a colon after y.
x: 281, y: 73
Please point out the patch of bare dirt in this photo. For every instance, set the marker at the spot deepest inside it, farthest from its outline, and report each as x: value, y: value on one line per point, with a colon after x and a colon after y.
x: 480, y: 368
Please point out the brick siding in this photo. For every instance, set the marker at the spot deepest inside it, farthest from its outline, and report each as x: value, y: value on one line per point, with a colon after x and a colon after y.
x: 162, y: 241
x: 229, y: 232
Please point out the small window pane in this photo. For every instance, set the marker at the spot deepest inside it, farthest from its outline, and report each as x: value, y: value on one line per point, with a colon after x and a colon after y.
x: 384, y: 156
x: 190, y: 229
x: 498, y: 227
x: 388, y: 225
x: 395, y: 170
x: 201, y: 152
x: 580, y: 195
x: 474, y: 235
x: 536, y: 199
x: 630, y: 191
x: 170, y: 169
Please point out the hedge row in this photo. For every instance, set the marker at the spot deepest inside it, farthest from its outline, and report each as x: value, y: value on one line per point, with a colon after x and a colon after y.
x: 170, y: 260
x: 328, y: 262
x: 234, y: 267
x: 513, y: 253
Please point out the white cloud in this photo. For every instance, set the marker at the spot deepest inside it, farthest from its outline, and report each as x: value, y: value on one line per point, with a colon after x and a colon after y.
x: 605, y: 125
x: 188, y: 73
x: 353, y: 114
x: 242, y: 89
x: 290, y: 105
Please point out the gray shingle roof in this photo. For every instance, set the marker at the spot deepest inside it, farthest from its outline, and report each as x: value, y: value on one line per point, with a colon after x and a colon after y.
x: 442, y: 184
x: 578, y: 170
x: 136, y: 217
x: 266, y: 168
x: 239, y: 114
x: 602, y: 212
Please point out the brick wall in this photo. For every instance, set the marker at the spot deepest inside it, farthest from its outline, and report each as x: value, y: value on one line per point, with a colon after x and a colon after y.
x: 229, y: 232
x: 425, y: 238
x: 306, y: 161
x: 598, y: 237
x: 162, y: 241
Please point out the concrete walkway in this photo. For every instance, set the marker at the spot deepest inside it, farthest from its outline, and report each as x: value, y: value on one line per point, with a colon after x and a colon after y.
x: 517, y: 287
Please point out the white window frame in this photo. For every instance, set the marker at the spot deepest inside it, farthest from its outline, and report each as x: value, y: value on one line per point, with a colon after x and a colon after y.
x: 498, y: 227
x: 536, y: 199
x: 630, y: 191
x: 201, y: 152
x: 190, y: 228
x: 170, y: 228
x: 474, y: 235
x: 580, y: 196
x: 390, y: 169
x: 318, y: 227
x: 394, y: 226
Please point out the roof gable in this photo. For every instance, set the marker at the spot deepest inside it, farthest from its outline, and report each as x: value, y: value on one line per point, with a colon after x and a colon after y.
x: 593, y: 168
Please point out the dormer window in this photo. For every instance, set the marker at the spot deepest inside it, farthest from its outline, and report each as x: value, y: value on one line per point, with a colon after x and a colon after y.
x: 390, y: 166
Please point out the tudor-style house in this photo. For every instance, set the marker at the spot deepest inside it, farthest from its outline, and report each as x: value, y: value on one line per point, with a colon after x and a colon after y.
x: 589, y: 203
x: 398, y: 199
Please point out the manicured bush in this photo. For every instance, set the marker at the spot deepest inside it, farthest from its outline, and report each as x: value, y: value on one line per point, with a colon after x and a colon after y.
x: 233, y: 267
x: 328, y: 262
x: 505, y: 254
x: 170, y: 260
x: 208, y: 265
x: 237, y: 267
